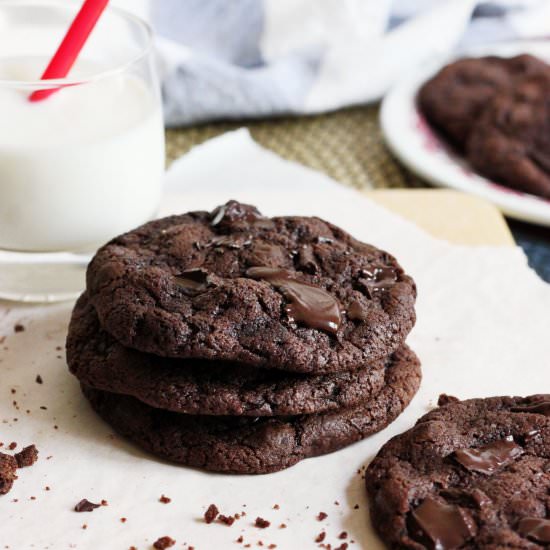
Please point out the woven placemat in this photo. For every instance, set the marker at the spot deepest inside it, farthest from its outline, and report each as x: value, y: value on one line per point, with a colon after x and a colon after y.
x: 346, y: 145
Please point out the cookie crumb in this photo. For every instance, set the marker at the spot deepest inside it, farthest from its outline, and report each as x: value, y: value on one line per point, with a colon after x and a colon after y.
x: 163, y: 543
x: 356, y: 507
x: 276, y: 507
x: 271, y: 546
x: 18, y: 327
x: 321, y: 516
x: 38, y: 379
x: 123, y: 520
x: 165, y: 499
x: 343, y: 546
x: 282, y: 526
x: 261, y: 523
x: 227, y: 520
x: 320, y: 537
x: 86, y: 506
x: 104, y: 503
x: 12, y: 445
x: 27, y: 457
x: 211, y: 513
x: 8, y: 467
x: 343, y: 535
x: 240, y: 539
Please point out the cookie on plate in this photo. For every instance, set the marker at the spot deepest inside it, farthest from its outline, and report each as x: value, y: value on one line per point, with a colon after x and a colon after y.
x: 257, y: 445
x: 205, y: 387
x: 510, y: 143
x: 470, y: 474
x: 292, y: 293
x: 455, y: 97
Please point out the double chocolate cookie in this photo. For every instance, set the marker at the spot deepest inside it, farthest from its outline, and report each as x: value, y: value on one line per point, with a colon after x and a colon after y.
x: 291, y: 293
x: 471, y: 474
x: 257, y: 445
x: 243, y: 344
x: 496, y: 110
x: 511, y: 141
x: 456, y: 96
x: 196, y: 386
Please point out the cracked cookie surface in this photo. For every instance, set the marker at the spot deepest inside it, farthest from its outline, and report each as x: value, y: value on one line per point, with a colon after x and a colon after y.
x: 470, y: 474
x: 256, y: 445
x: 292, y: 293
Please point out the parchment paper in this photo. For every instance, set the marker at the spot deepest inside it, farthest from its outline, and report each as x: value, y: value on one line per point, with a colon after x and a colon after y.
x: 482, y: 330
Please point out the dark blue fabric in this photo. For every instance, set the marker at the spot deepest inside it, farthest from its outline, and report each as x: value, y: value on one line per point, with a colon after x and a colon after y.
x: 535, y: 241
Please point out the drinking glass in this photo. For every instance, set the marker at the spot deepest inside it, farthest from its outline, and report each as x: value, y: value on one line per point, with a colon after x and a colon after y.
x: 85, y: 163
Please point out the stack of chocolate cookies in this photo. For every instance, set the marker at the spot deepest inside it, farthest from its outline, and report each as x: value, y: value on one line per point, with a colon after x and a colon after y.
x: 238, y: 343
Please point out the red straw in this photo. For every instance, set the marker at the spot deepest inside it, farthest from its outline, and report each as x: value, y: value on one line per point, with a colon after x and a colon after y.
x: 72, y: 44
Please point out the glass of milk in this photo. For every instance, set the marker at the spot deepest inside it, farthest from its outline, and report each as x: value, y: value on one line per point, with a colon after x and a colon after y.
x: 82, y: 165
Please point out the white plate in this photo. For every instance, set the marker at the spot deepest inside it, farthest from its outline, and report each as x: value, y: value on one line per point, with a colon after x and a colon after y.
x: 416, y: 145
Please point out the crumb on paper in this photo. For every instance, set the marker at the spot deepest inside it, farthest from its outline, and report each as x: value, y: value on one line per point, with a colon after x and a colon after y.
x: 39, y: 379
x: 211, y: 513
x: 18, y: 327
x: 164, y: 542
x: 321, y: 516
x: 26, y: 457
x: 8, y: 468
x: 226, y: 520
x: 261, y: 523
x: 164, y: 499
x: 86, y: 506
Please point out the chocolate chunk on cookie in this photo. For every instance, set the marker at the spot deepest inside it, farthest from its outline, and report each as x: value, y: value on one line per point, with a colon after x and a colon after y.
x: 292, y: 293
x: 510, y: 143
x: 470, y: 474
x: 207, y: 387
x: 256, y: 445
x: 455, y: 97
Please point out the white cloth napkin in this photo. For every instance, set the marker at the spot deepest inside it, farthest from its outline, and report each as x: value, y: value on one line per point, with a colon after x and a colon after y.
x: 480, y: 332
x: 257, y: 58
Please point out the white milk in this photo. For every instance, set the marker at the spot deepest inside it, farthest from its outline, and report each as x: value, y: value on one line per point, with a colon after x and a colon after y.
x: 80, y: 166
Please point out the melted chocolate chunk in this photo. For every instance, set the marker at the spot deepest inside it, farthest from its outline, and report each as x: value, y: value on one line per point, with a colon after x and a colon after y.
x: 441, y: 526
x: 536, y: 529
x: 489, y: 458
x: 542, y: 407
x: 234, y: 211
x: 233, y: 243
x: 265, y: 254
x: 194, y: 280
x: 308, y: 304
x: 356, y: 311
x: 306, y: 259
x: 86, y: 506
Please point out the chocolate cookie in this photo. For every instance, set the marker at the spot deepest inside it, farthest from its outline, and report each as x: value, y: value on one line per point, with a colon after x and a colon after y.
x: 291, y: 293
x: 246, y: 445
x: 471, y: 474
x: 455, y: 97
x: 511, y: 141
x: 207, y: 387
